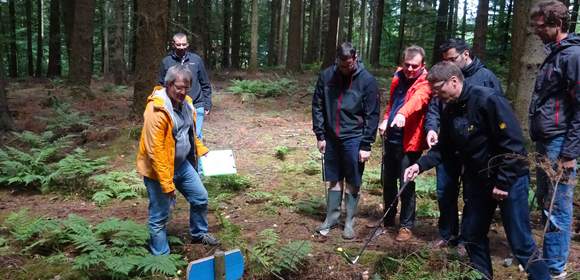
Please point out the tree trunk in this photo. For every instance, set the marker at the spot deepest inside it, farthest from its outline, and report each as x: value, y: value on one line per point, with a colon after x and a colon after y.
x: 574, y: 16
x: 273, y: 43
x: 294, y: 54
x: 68, y: 11
x: 13, y: 62
x: 106, y: 13
x: 377, y: 34
x: 29, y: 57
x: 282, y: 33
x: 54, y: 58
x: 362, y: 31
x: 150, y: 49
x: 332, y: 34
x: 236, y: 33
x: 527, y: 55
x: 350, y: 20
x: 402, y: 21
x: 479, y: 38
x: 39, y: 38
x: 314, y: 33
x: 253, y: 66
x: 6, y: 122
x: 183, y: 17
x: 82, y: 39
x: 118, y: 51
x: 440, y: 30
x: 132, y: 35
x: 226, y: 39
x: 199, y: 27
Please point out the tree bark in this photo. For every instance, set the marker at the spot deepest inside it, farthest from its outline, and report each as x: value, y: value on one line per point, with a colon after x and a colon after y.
x: 440, y: 29
x: 479, y: 38
x: 150, y: 49
x: 226, y: 39
x: 105, y: 13
x: 314, y: 33
x: 54, y: 57
x: 350, y: 20
x: 67, y: 12
x: 282, y: 33
x: 82, y: 40
x: 273, y: 42
x: 6, y: 122
x: 13, y: 62
x: 294, y: 54
x: 39, y: 38
x: 236, y: 32
x: 118, y: 50
x: 199, y: 28
x: 574, y: 16
x: 527, y: 55
x: 402, y: 21
x: 29, y: 57
x: 332, y: 35
x: 253, y: 66
x: 362, y: 31
x: 377, y: 34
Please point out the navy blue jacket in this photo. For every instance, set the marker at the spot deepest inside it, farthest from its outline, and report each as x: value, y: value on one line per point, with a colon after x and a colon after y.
x: 476, y: 74
x: 346, y: 107
x: 555, y: 106
x: 200, y: 91
x: 481, y: 129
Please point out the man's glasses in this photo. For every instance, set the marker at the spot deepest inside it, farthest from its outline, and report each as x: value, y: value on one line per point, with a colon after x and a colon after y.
x: 439, y: 85
x: 452, y: 59
x: 413, y: 66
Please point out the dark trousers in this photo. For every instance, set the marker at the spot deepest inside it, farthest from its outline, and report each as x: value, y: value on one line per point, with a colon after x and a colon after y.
x: 447, y: 193
x: 478, y: 214
x: 395, y: 161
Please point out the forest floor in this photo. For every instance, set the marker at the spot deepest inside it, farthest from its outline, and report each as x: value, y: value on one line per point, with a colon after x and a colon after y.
x: 253, y: 129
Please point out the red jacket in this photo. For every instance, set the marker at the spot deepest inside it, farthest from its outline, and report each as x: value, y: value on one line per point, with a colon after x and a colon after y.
x: 414, y: 109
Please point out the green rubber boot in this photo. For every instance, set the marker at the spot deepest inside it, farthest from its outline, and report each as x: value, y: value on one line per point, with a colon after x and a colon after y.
x: 332, y: 212
x: 351, y: 206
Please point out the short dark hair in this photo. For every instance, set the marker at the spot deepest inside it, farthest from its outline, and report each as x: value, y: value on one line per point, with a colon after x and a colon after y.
x: 454, y: 43
x: 443, y: 71
x: 345, y: 51
x: 554, y: 13
x: 414, y: 50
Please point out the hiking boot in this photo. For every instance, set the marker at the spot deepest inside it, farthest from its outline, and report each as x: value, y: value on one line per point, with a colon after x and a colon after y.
x: 351, y: 205
x: 404, y: 234
x: 332, y: 212
x: 206, y: 239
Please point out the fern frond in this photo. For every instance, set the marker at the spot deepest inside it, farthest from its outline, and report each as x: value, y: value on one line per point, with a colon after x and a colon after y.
x: 159, y: 264
x: 292, y: 255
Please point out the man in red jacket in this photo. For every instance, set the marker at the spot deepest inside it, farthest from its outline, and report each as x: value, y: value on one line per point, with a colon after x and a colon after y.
x: 403, y: 135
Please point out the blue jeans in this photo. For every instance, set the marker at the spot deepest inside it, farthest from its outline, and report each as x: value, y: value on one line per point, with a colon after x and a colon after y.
x: 557, y: 239
x: 478, y: 213
x: 447, y: 194
x: 341, y: 161
x: 187, y: 183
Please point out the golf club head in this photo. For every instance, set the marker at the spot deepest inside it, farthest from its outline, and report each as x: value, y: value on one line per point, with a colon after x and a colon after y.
x: 346, y: 256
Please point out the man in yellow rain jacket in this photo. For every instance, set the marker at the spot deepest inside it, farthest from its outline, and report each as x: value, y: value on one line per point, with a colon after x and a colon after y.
x: 168, y: 154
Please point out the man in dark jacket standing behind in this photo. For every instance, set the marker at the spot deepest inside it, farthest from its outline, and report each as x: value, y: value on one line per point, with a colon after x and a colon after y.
x: 456, y: 51
x: 555, y: 126
x: 345, y: 115
x: 200, y: 91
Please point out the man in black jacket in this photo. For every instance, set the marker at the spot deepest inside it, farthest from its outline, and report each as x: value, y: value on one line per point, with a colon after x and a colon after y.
x: 345, y: 115
x: 456, y: 51
x: 555, y: 126
x: 200, y: 90
x: 481, y: 126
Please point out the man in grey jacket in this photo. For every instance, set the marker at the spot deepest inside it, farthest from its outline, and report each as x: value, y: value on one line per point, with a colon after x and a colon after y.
x: 200, y: 91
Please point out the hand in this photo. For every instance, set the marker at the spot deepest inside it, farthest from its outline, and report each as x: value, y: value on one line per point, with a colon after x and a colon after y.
x: 432, y: 138
x: 171, y: 194
x: 498, y: 194
x: 568, y: 163
x: 363, y: 156
x: 399, y: 121
x: 207, y: 112
x: 321, y: 146
x: 411, y: 173
x: 383, y: 127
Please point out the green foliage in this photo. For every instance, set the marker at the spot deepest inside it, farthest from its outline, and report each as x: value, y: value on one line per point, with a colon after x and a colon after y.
x: 426, y: 187
x: 281, y: 152
x: 313, y: 206
x: 112, y: 249
x: 267, y: 256
x: 427, y: 208
x: 45, y: 164
x: 258, y: 196
x: 116, y: 184
x: 227, y: 182
x: 311, y: 167
x: 372, y: 180
x: 261, y: 88
x: 230, y: 233
x: 283, y: 201
x: 112, y: 88
x: 65, y: 119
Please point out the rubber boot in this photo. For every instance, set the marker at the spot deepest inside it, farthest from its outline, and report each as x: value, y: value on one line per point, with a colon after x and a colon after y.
x: 351, y: 206
x: 332, y: 211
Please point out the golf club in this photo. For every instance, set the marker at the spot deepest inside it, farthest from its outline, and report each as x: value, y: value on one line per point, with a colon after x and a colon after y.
x: 354, y: 260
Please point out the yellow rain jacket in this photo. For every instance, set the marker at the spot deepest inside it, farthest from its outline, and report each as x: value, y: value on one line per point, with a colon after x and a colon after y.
x: 156, y: 156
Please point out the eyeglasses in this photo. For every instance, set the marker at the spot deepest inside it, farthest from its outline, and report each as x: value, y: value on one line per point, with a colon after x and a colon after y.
x: 181, y: 88
x: 413, y: 66
x: 452, y: 59
x: 439, y: 86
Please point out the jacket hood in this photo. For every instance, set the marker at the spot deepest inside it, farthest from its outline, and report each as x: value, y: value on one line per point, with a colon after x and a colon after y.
x: 571, y: 40
x: 473, y: 67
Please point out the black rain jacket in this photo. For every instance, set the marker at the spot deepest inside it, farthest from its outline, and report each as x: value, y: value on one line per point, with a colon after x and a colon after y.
x: 476, y: 74
x: 346, y: 107
x: 482, y: 130
x: 555, y: 106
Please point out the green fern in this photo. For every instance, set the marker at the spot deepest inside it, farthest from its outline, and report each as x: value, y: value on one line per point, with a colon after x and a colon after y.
x: 116, y: 184
x: 291, y: 256
x: 73, y: 171
x: 65, y: 119
x: 167, y: 264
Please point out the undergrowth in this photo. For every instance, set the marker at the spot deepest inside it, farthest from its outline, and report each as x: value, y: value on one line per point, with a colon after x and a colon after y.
x: 116, y: 184
x: 250, y: 89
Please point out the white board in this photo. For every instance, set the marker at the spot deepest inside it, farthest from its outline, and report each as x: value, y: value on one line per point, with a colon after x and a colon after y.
x: 219, y: 162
